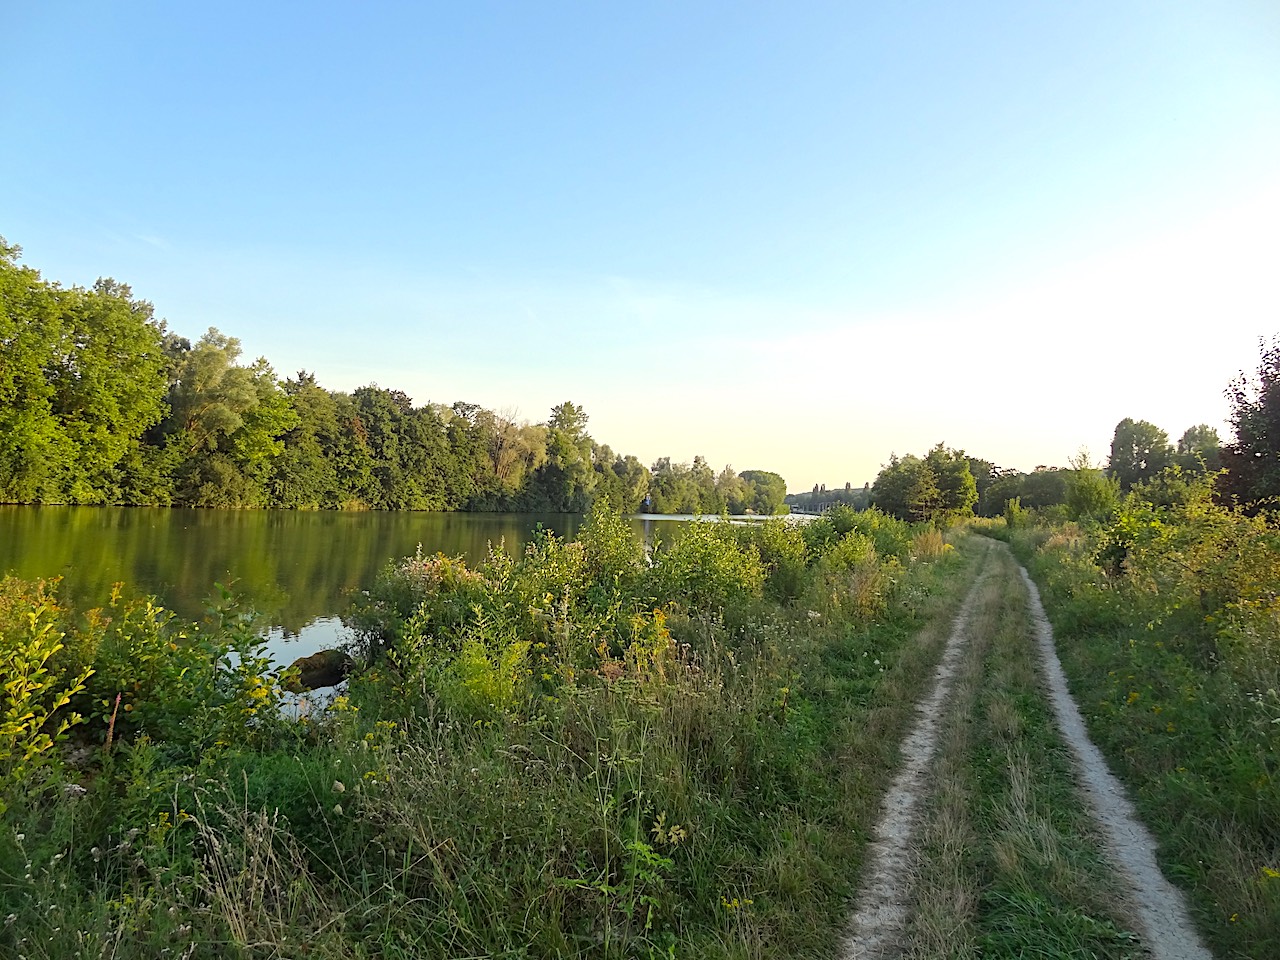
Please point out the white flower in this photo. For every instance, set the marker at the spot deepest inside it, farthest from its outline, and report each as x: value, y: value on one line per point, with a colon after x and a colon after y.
x: 338, y: 786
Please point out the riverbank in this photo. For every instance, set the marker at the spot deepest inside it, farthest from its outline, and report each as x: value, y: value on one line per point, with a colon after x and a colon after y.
x: 570, y: 752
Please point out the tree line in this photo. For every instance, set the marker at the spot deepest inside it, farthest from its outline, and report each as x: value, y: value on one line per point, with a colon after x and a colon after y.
x: 947, y: 484
x: 100, y: 403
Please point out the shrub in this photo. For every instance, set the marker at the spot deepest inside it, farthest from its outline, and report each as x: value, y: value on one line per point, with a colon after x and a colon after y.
x: 32, y: 694
x: 707, y: 570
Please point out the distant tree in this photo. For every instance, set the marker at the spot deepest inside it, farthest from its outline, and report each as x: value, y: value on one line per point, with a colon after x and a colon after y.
x: 768, y: 491
x: 906, y: 488
x: 704, y: 478
x: 567, y: 479
x: 957, y: 489
x: 734, y: 491
x: 1252, y: 459
x: 1199, y: 450
x: 305, y: 476
x: 1139, y: 450
x: 225, y: 425
x: 34, y: 449
x: 1090, y: 493
x: 1043, y: 487
x: 936, y: 487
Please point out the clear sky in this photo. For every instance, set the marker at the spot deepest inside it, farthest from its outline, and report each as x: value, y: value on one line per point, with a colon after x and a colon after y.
x: 797, y: 236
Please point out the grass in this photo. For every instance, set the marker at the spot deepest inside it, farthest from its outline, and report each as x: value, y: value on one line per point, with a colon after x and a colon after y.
x: 559, y: 756
x: 1008, y: 863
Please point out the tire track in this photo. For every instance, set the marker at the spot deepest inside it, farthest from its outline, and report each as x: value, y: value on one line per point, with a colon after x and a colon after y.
x: 880, y: 925
x: 883, y: 904
x: 1160, y: 911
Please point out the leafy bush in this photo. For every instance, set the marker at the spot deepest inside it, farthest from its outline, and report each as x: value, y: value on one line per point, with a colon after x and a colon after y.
x: 32, y: 693
x: 706, y: 569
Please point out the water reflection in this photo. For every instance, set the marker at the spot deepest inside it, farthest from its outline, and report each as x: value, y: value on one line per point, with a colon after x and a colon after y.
x: 298, y: 570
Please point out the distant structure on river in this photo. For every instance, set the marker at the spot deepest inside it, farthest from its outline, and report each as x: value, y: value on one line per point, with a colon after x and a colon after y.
x: 820, y: 499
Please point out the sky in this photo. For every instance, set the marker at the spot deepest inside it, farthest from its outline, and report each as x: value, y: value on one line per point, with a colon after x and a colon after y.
x: 796, y: 237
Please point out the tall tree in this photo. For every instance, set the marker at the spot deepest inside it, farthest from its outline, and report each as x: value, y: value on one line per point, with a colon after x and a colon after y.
x: 935, y: 487
x: 1199, y: 450
x: 225, y: 425
x: 768, y: 491
x: 34, y: 449
x: 1252, y: 459
x: 81, y: 380
x: 1139, y: 450
x: 957, y: 489
x: 568, y: 477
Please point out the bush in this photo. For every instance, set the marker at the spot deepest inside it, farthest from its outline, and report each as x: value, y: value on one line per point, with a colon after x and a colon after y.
x: 33, y: 694
x: 706, y: 570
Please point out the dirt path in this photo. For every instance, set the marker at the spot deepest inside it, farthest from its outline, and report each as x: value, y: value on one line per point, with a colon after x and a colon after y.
x: 881, y: 926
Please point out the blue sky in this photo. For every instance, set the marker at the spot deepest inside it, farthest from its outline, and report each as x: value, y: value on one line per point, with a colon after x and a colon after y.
x: 795, y: 237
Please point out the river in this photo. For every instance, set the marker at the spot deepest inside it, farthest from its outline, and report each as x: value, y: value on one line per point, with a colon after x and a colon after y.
x: 299, y: 570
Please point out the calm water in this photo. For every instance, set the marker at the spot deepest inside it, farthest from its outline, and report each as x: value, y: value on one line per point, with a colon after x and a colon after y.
x: 299, y: 570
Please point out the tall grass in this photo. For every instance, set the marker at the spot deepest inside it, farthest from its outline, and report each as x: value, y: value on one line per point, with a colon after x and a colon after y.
x: 575, y: 753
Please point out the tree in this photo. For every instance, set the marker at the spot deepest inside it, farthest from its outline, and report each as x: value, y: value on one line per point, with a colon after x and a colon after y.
x: 768, y: 491
x: 225, y: 424
x: 1139, y: 450
x: 957, y: 489
x: 1199, y: 450
x: 567, y: 478
x: 34, y: 449
x: 82, y: 378
x: 1090, y: 493
x: 1252, y: 459
x: 305, y: 476
x: 906, y: 488
x: 734, y: 491
x: 936, y: 487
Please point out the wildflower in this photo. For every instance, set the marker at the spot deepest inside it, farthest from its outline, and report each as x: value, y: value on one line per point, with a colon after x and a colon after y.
x: 1133, y: 697
x: 1269, y: 874
x: 337, y: 809
x: 338, y: 786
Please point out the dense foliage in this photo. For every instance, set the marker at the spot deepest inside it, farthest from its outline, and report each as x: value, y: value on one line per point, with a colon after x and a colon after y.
x: 583, y: 751
x: 1252, y: 459
x: 936, y: 487
x: 100, y: 403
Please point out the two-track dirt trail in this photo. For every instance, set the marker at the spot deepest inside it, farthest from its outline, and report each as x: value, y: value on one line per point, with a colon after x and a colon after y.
x: 1003, y: 834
